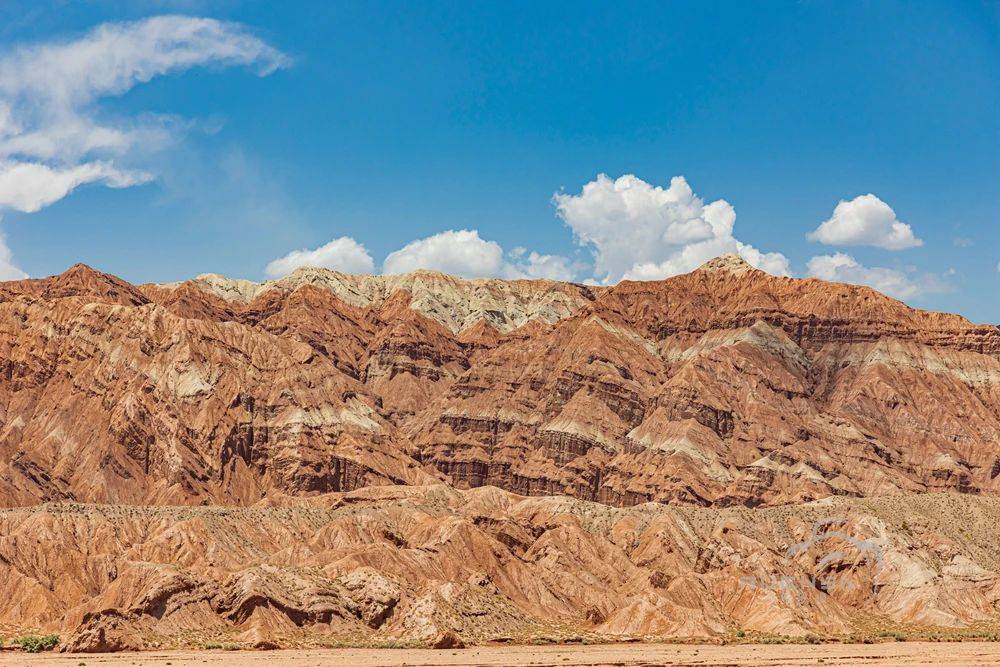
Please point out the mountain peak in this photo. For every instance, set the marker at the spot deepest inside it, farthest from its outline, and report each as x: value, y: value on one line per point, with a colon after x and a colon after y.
x: 729, y: 262
x: 84, y: 280
x: 81, y: 269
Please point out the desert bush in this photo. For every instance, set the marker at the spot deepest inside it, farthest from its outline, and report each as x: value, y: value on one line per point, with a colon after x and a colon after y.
x: 221, y: 646
x: 37, y: 643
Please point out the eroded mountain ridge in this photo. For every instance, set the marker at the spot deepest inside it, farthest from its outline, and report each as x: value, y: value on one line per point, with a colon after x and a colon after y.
x: 725, y: 386
x: 316, y: 461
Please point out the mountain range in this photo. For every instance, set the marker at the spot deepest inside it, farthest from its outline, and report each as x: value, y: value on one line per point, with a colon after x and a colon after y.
x: 425, y: 459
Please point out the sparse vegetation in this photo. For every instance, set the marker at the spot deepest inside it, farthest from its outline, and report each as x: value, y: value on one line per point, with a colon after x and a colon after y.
x: 37, y: 643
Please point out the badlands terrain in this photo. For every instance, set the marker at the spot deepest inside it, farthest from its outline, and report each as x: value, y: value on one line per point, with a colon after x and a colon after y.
x: 419, y: 460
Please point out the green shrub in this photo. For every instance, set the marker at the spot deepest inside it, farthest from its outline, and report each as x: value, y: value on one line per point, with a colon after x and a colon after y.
x: 38, y: 643
x: 221, y: 646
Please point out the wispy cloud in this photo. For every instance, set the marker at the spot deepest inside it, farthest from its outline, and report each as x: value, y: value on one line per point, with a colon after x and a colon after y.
x: 30, y: 186
x: 53, y: 136
x: 8, y: 271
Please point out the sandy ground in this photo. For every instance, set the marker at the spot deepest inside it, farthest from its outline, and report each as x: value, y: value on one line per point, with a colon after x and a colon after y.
x: 896, y: 653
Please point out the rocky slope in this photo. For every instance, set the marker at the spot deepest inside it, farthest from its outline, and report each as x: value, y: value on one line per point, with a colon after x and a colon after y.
x: 724, y: 386
x: 435, y: 565
x: 421, y: 458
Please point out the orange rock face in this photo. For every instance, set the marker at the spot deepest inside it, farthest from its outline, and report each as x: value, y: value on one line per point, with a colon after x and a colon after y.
x: 429, y: 564
x: 722, y: 388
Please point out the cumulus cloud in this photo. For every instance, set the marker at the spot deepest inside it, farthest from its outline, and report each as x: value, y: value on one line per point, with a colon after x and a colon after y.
x: 640, y: 231
x: 841, y: 267
x: 865, y: 220
x: 464, y: 253
x: 343, y: 254
x: 524, y: 264
x: 52, y: 136
x: 461, y: 252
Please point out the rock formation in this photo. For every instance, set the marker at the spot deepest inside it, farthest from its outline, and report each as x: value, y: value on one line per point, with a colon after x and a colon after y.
x: 432, y: 564
x: 427, y: 459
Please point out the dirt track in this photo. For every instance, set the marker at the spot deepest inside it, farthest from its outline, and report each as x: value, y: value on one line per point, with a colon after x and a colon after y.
x: 896, y: 653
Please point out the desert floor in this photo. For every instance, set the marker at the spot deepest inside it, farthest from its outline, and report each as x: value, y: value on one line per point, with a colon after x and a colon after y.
x: 896, y: 653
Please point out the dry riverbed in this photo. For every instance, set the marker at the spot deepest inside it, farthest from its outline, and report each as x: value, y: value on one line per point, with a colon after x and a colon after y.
x: 894, y: 653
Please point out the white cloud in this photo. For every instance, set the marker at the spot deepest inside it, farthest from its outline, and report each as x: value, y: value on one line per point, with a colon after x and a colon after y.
x: 52, y: 138
x: 524, y: 264
x: 865, y: 220
x: 462, y: 253
x: 639, y: 231
x: 8, y: 271
x: 30, y: 186
x: 841, y: 267
x: 343, y: 254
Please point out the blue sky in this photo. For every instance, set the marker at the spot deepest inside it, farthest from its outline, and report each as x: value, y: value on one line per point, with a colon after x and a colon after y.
x: 470, y: 137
